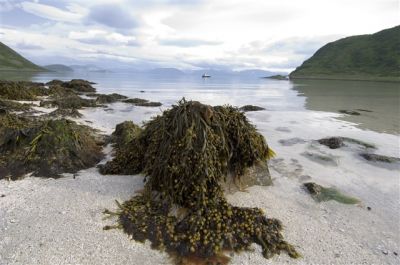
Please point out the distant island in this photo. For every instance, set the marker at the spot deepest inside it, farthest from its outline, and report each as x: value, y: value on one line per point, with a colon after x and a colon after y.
x: 58, y: 68
x: 374, y: 57
x: 10, y: 60
x: 277, y: 77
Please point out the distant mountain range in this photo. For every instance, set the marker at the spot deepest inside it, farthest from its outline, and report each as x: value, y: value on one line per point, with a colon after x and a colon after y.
x: 365, y: 57
x: 10, y: 60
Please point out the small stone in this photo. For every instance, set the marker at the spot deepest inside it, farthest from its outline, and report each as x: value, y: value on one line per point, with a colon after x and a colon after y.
x: 395, y: 253
x: 369, y: 208
x: 2, y: 196
x: 13, y: 221
x: 385, y: 252
x: 63, y: 212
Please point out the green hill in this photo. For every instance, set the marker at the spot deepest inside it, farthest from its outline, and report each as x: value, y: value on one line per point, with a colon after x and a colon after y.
x: 10, y: 60
x: 365, y: 57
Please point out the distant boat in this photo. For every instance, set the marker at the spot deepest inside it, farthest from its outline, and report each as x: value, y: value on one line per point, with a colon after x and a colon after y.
x: 205, y: 75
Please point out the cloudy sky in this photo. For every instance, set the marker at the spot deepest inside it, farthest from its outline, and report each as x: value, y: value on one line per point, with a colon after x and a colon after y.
x: 191, y: 34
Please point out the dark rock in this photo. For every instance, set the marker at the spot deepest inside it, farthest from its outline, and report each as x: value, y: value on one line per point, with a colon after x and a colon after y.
x: 369, y: 208
x: 332, y: 142
x: 313, y: 188
x: 2, y: 196
x: 395, y: 253
x: 247, y: 108
x: 350, y: 112
x: 380, y: 158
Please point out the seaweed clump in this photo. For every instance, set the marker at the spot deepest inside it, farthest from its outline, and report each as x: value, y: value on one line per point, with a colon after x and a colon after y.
x: 78, y: 85
x: 45, y: 148
x: 142, y: 102
x: 21, y: 90
x: 185, y: 155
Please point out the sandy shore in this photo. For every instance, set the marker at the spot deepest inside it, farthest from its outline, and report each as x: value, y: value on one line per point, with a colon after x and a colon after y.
x: 60, y: 221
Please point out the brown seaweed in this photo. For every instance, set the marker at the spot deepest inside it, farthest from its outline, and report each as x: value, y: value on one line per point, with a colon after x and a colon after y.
x: 185, y: 155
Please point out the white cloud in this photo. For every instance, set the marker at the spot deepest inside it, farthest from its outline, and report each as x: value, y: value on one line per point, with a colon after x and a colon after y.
x: 102, y: 37
x: 54, y: 13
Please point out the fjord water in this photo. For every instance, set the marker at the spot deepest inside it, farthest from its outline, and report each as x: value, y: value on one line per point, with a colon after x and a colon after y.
x: 377, y: 102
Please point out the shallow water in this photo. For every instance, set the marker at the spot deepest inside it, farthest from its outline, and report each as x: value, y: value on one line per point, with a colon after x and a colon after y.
x: 377, y: 102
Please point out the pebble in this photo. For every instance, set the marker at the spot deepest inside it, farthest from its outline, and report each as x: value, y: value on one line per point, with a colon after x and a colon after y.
x: 2, y: 195
x: 63, y: 212
x: 395, y: 253
x: 385, y: 252
x: 13, y: 221
x: 369, y: 208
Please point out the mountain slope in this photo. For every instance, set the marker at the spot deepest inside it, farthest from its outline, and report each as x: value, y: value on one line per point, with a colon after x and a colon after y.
x: 365, y: 57
x: 11, y: 60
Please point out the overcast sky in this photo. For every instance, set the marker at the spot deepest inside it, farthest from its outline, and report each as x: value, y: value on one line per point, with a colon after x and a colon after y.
x: 234, y: 34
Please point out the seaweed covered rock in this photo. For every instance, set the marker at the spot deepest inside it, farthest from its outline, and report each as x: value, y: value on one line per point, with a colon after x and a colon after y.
x: 321, y: 194
x: 10, y: 105
x: 21, y: 90
x: 142, y: 102
x: 338, y: 141
x: 109, y: 98
x: 380, y: 158
x: 247, y: 108
x: 350, y: 112
x: 46, y: 148
x: 69, y: 102
x: 185, y: 155
x: 332, y: 142
x: 124, y: 133
x: 62, y: 113
x: 78, y: 85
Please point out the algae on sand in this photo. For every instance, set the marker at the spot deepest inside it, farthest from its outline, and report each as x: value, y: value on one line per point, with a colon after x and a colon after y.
x: 46, y: 148
x: 185, y: 155
x: 321, y: 194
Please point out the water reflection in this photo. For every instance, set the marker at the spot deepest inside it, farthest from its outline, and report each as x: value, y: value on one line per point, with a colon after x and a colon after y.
x: 382, y: 99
